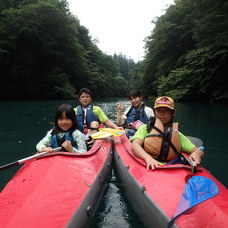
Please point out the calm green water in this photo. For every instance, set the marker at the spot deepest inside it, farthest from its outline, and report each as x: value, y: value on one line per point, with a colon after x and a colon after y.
x: 24, y: 123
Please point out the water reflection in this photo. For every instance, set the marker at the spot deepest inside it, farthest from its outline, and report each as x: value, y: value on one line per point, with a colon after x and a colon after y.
x: 114, y: 210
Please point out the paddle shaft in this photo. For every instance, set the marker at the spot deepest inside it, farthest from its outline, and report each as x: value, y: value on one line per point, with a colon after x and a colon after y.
x: 23, y: 160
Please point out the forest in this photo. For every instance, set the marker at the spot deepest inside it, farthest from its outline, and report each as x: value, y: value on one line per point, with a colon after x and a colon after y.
x: 46, y: 53
x: 187, y: 52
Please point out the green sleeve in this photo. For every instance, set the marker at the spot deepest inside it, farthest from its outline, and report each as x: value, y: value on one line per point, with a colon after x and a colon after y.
x: 186, y: 144
x: 100, y: 114
x: 141, y: 133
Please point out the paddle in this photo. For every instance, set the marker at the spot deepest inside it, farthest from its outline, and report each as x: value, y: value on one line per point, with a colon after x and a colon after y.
x: 99, y: 135
x: 27, y: 159
x: 197, y: 190
x: 198, y: 142
x: 114, y: 132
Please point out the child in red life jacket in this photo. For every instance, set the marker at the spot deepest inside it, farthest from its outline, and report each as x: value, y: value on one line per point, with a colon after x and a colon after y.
x: 148, y: 142
x: 64, y: 134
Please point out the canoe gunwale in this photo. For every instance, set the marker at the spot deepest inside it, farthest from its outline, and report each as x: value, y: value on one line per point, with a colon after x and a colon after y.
x: 145, y: 207
x: 97, y: 145
x: 87, y: 209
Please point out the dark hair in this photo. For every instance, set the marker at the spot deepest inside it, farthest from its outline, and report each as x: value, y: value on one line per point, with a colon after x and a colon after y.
x: 134, y: 93
x: 85, y: 90
x: 70, y: 113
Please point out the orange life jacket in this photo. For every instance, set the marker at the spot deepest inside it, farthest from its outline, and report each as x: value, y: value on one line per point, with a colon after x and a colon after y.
x: 163, y: 145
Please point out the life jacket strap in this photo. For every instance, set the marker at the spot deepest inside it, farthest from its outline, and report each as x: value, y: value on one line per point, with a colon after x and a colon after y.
x: 166, y: 139
x: 166, y: 142
x: 58, y: 141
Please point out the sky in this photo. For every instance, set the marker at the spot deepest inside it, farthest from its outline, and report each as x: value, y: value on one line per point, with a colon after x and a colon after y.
x: 119, y: 26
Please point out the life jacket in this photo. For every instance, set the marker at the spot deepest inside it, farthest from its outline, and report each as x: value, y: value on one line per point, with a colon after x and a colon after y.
x: 80, y: 116
x: 57, y: 141
x: 163, y: 145
x: 136, y: 114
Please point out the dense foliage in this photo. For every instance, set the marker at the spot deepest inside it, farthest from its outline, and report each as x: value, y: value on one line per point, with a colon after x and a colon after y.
x: 187, y: 52
x: 46, y: 53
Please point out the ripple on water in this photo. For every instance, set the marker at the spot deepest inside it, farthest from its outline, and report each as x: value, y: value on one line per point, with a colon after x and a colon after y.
x: 114, y: 210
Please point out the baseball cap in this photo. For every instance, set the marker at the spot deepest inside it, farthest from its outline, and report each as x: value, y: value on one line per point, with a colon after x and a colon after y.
x: 164, y: 102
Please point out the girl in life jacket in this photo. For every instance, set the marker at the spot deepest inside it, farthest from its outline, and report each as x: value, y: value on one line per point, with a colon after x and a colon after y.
x: 160, y: 140
x: 64, y: 134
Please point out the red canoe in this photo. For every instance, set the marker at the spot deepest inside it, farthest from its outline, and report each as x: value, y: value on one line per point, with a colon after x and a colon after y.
x: 155, y: 194
x: 62, y: 190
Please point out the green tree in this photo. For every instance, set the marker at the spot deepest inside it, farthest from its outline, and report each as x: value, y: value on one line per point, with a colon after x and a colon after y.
x: 46, y: 53
x: 187, y: 51
x: 36, y: 38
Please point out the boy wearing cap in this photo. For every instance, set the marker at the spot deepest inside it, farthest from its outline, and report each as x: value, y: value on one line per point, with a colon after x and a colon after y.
x: 160, y: 139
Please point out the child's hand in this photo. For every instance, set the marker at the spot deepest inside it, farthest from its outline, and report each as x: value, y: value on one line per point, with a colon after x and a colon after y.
x: 152, y: 163
x: 120, y: 128
x: 46, y: 149
x: 67, y: 146
x: 120, y: 107
x: 196, y: 156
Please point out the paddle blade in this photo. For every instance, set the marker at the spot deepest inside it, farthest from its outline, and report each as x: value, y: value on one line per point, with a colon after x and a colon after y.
x: 114, y: 132
x: 101, y: 135
x: 198, y: 142
x: 197, y: 190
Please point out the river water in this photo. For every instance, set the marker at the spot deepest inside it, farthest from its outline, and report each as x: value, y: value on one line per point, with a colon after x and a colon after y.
x: 24, y: 123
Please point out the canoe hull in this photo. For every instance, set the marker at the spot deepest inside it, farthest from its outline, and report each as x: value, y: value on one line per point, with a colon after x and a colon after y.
x: 159, y: 191
x: 57, y: 191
